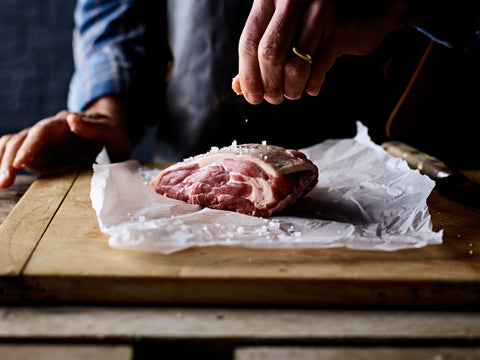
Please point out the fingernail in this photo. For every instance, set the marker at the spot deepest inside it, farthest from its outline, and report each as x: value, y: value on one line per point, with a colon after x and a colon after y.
x: 254, y: 98
x: 4, y: 174
x: 274, y: 99
x: 72, y: 116
x: 295, y: 97
x: 18, y: 161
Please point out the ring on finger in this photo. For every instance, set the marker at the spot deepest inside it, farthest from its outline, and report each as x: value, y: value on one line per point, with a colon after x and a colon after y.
x: 302, y: 54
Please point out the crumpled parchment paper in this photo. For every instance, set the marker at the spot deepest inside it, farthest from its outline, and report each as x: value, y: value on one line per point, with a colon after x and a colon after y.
x: 364, y: 199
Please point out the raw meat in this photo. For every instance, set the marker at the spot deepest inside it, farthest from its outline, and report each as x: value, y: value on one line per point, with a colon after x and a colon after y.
x: 253, y: 179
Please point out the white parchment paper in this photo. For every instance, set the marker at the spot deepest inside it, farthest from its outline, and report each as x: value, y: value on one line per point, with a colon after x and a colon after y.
x: 364, y: 199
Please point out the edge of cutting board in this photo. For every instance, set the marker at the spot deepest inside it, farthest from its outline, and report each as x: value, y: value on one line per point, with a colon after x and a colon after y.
x: 19, y: 236
x: 73, y: 263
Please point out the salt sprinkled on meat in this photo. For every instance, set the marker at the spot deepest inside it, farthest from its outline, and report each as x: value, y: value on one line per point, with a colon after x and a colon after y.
x: 253, y: 179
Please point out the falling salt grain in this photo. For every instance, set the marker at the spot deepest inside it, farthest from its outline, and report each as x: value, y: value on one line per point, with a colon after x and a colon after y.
x: 274, y: 225
x: 471, y: 252
x: 264, y: 142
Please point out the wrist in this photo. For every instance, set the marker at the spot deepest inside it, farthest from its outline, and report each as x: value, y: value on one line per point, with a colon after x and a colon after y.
x: 108, y: 106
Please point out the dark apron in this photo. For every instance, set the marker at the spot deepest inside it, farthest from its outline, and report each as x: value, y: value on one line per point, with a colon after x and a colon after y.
x: 202, y: 110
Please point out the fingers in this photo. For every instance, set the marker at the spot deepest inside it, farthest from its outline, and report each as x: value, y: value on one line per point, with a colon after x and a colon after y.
x: 325, y: 60
x: 274, y: 48
x: 267, y: 64
x: 236, y: 86
x: 297, y: 69
x: 249, y: 68
x: 64, y: 139
x: 45, y: 131
x: 102, y: 130
x: 9, y: 145
x: 267, y: 67
x: 88, y: 127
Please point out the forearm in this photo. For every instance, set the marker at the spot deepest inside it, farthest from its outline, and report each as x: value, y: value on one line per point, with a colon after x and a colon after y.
x: 114, y: 59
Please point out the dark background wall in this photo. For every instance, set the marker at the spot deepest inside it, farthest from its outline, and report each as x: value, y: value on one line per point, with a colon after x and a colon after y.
x: 36, y: 63
x: 35, y: 60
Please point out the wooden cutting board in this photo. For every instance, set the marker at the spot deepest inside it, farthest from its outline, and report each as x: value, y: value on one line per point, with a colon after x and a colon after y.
x: 51, y: 250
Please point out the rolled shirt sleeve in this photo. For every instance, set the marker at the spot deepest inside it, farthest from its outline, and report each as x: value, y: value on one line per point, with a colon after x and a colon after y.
x: 107, y: 44
x: 453, y: 24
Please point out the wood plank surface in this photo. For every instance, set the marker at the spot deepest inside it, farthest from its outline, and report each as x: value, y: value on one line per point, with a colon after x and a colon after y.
x: 10, y: 196
x: 73, y: 262
x: 62, y: 352
x: 363, y: 353
x: 239, y: 324
x: 23, y: 228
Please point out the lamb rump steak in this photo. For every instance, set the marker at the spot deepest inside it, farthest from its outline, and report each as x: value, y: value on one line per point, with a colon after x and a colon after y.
x: 253, y: 179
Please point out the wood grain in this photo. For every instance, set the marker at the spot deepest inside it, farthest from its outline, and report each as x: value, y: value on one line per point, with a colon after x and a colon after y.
x: 70, y: 352
x: 24, y: 226
x: 358, y: 353
x: 73, y: 262
x: 10, y: 196
x: 244, y: 324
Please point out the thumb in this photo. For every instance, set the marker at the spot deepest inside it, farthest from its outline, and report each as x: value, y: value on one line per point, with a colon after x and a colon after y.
x: 103, y: 130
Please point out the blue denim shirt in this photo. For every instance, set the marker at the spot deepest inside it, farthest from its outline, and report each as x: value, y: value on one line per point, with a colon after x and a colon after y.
x: 104, y: 42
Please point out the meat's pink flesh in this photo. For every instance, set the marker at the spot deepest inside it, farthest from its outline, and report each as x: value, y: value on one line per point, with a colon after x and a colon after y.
x: 242, y: 179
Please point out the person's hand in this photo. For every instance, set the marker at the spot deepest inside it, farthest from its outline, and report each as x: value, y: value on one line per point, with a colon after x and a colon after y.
x: 62, y: 141
x: 321, y: 31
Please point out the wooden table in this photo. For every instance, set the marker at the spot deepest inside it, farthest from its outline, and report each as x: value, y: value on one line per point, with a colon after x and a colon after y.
x: 226, y: 330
